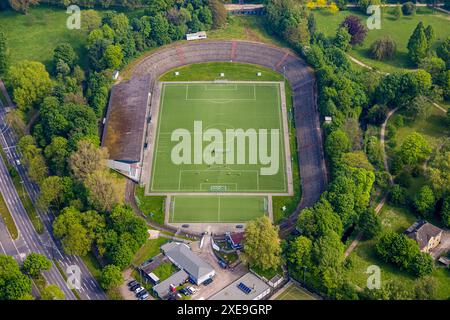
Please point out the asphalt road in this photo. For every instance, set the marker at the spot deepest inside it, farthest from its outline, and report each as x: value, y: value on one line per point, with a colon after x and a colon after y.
x: 29, y: 240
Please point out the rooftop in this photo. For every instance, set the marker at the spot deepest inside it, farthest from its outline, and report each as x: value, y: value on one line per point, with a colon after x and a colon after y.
x: 422, y: 231
x: 182, y: 255
x: 126, y: 119
x: 233, y: 292
x: 162, y: 288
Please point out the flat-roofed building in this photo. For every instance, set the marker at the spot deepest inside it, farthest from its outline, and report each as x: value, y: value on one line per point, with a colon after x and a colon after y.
x: 162, y: 290
x: 248, y: 287
x: 196, y: 36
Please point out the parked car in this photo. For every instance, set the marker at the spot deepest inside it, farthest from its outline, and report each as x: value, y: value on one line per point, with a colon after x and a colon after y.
x: 239, y: 226
x: 192, y: 281
x: 185, y: 226
x: 141, y: 293
x: 144, y: 296
x: 192, y: 290
x: 132, y: 283
x: 222, y: 264
x: 207, y: 281
x: 139, y: 289
x: 18, y: 162
x: 133, y: 288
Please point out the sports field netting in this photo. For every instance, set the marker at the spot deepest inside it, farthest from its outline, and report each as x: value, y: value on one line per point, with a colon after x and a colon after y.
x: 221, y: 106
x: 216, y: 208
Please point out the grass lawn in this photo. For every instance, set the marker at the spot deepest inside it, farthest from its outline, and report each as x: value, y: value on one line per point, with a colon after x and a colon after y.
x: 210, y: 71
x: 248, y: 72
x: 35, y: 36
x: 164, y: 270
x: 246, y: 27
x: 150, y: 249
x: 294, y: 292
x: 151, y: 206
x: 433, y: 128
x: 364, y: 255
x: 400, y: 30
x: 227, y: 162
x: 8, y: 219
x: 269, y: 273
x: 216, y: 208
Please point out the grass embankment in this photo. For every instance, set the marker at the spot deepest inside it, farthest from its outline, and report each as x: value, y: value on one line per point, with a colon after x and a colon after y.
x: 151, y: 206
x: 150, y: 249
x: 8, y: 219
x: 399, y: 30
x: 95, y: 269
x: 34, y: 36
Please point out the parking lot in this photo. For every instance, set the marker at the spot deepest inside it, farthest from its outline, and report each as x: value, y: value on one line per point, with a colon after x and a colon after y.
x: 222, y: 278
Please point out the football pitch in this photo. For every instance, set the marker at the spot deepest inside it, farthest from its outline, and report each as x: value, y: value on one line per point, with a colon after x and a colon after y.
x: 219, y: 137
x: 217, y: 209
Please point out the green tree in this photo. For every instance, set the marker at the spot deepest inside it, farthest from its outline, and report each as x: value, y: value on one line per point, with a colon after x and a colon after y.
x: 56, y: 154
x: 22, y: 5
x: 105, y: 191
x: 422, y: 264
x: 342, y: 39
x: 35, y: 263
x: 262, y: 244
x: 13, y: 284
x: 219, y: 13
x: 430, y: 35
x: 4, y: 56
x: 87, y: 159
x: 74, y: 236
x: 424, y: 201
x: 52, y: 292
x: 383, y: 48
x: 113, y: 56
x: 64, y: 52
x: 418, y: 44
x: 414, y: 149
x: 443, y: 51
x: 369, y: 224
x: 445, y: 212
x: 30, y: 82
x: 299, y: 252
x: 111, y: 277
x: 336, y: 144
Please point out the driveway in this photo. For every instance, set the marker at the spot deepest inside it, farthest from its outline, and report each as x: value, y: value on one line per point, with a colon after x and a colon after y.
x: 222, y: 278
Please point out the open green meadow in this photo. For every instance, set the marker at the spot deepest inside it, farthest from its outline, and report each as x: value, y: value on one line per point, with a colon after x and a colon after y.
x: 399, y: 30
x: 216, y: 209
x: 215, y: 165
x: 34, y: 36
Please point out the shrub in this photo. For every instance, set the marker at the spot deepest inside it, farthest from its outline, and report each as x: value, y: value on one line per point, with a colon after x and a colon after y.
x: 356, y: 28
x: 408, y: 8
x: 404, y: 179
x: 424, y: 201
x: 397, y: 195
x: 383, y: 48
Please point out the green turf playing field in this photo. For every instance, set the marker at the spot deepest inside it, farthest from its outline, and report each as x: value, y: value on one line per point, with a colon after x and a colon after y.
x: 216, y: 208
x: 294, y: 292
x: 211, y: 137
